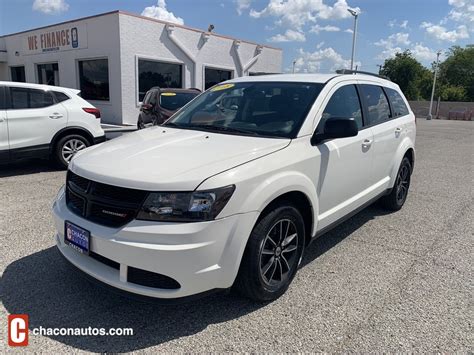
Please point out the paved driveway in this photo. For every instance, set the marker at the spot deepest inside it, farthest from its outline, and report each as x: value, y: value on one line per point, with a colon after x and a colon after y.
x: 379, y: 282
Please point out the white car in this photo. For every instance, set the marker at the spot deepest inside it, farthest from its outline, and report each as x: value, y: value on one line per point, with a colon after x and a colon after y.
x: 230, y: 194
x: 41, y: 121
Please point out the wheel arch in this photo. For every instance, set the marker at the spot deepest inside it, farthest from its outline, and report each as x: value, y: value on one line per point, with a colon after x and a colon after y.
x: 405, y: 149
x: 67, y: 131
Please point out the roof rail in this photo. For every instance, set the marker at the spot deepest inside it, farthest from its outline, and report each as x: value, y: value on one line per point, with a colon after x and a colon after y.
x: 349, y: 71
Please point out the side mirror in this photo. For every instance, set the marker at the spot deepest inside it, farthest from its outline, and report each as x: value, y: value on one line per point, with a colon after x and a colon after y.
x: 336, y: 127
x: 147, y: 107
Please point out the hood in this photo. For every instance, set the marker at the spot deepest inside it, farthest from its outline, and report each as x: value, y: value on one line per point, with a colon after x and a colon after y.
x: 169, y: 159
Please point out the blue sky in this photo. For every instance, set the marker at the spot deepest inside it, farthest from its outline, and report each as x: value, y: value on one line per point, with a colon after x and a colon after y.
x: 316, y: 34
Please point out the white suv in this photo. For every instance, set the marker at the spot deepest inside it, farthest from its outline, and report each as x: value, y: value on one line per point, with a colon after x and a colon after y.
x: 232, y: 188
x: 45, y: 121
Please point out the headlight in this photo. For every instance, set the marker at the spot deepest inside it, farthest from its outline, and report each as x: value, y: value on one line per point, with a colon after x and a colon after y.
x: 185, y: 206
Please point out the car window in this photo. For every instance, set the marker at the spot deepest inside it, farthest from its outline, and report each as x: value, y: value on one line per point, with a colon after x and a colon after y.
x: 60, y: 96
x: 377, y: 104
x: 398, y: 105
x: 24, y: 98
x: 175, y: 100
x: 343, y: 103
x: 268, y: 109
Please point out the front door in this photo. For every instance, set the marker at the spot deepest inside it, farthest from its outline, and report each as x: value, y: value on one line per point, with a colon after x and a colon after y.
x: 33, y: 119
x: 343, y: 175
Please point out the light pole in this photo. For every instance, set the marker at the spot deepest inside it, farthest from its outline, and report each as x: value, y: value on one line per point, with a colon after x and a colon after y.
x: 356, y: 15
x: 294, y: 63
x: 430, y: 116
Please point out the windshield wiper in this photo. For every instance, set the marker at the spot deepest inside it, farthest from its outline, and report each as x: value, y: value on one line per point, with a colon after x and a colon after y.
x: 227, y: 129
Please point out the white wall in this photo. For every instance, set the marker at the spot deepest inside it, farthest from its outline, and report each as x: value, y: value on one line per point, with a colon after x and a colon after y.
x: 102, y: 42
x: 149, y: 39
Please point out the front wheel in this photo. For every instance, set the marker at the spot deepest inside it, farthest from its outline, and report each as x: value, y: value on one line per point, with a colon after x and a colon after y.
x: 398, y: 195
x: 272, y: 254
x: 67, y: 147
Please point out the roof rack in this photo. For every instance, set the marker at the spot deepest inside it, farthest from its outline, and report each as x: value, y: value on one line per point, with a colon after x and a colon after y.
x: 348, y: 71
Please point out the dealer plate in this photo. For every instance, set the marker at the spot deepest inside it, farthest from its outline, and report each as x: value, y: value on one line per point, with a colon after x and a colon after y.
x: 76, y: 237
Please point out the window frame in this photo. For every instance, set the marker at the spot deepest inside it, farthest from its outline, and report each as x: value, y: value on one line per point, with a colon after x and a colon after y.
x: 365, y: 106
x: 37, y: 65
x: 138, y: 103
x: 215, y: 67
x: 331, y: 94
x: 8, y: 98
x: 14, y: 67
x: 78, y: 76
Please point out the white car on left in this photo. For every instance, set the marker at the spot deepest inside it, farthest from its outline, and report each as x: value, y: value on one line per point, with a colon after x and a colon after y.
x: 41, y: 121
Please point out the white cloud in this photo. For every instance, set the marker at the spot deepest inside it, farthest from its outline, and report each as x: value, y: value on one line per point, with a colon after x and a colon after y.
x: 289, y: 36
x: 349, y: 30
x: 161, y: 13
x: 321, y: 44
x: 423, y: 53
x: 328, y: 28
x: 50, y: 7
x: 321, y: 60
x: 463, y: 13
x: 391, y: 45
x: 242, y: 5
x: 296, y: 13
x: 442, y: 34
x: 394, y: 23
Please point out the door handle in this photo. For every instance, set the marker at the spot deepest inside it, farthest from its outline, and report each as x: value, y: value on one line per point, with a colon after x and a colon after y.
x: 398, y: 130
x: 55, y: 116
x: 2, y: 119
x: 367, y: 143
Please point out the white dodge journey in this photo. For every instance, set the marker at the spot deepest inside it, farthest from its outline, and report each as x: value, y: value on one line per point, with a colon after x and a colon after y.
x: 232, y: 188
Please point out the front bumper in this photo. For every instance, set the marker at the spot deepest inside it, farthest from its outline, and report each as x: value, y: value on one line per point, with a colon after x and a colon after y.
x: 200, y: 256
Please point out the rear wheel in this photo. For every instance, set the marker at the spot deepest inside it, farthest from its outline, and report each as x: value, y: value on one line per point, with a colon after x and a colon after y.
x: 140, y: 124
x: 67, y: 147
x: 397, y: 197
x: 272, y: 254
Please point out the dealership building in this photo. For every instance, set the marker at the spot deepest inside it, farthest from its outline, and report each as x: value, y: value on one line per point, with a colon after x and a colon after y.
x: 115, y: 57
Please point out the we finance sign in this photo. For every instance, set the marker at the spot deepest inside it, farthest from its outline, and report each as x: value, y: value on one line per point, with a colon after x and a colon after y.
x: 56, y: 39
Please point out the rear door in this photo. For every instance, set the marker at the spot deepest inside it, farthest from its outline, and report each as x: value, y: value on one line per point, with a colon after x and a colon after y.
x: 387, y: 127
x: 33, y: 117
x: 4, y: 145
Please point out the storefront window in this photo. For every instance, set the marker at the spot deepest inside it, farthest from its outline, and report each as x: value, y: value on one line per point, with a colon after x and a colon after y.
x: 48, y: 74
x: 215, y: 76
x: 94, y: 79
x: 18, y: 74
x: 164, y: 75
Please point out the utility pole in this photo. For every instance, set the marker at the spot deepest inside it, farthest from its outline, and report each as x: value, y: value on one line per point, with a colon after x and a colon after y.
x: 380, y: 68
x: 430, y: 116
x: 294, y: 63
x: 356, y: 15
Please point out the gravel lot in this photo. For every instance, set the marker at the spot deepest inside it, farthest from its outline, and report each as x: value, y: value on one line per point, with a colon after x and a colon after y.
x: 379, y: 282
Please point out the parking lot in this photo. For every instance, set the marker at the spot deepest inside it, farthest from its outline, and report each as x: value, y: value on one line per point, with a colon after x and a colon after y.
x: 379, y: 282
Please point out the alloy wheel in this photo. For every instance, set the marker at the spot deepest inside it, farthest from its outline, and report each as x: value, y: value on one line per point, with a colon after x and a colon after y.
x: 279, y: 252
x: 402, y: 183
x: 71, y: 147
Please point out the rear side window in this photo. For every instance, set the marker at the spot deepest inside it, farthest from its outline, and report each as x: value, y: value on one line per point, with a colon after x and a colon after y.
x: 60, y: 96
x: 173, y: 101
x: 343, y: 103
x: 377, y: 104
x: 398, y: 105
x: 23, y: 98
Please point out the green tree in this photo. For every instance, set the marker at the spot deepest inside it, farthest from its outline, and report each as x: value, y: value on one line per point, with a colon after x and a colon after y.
x: 456, y: 75
x: 408, y: 73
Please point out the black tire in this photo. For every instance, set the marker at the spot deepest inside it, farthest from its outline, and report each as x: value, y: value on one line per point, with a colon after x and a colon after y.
x: 395, y: 200
x: 251, y: 280
x: 140, y: 124
x: 72, y: 140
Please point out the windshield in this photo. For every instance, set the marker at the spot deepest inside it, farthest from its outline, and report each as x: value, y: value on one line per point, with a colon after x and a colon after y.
x: 275, y: 109
x: 175, y: 100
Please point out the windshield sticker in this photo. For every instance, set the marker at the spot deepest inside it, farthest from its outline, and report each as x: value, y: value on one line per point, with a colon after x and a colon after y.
x: 222, y: 87
x: 168, y: 94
